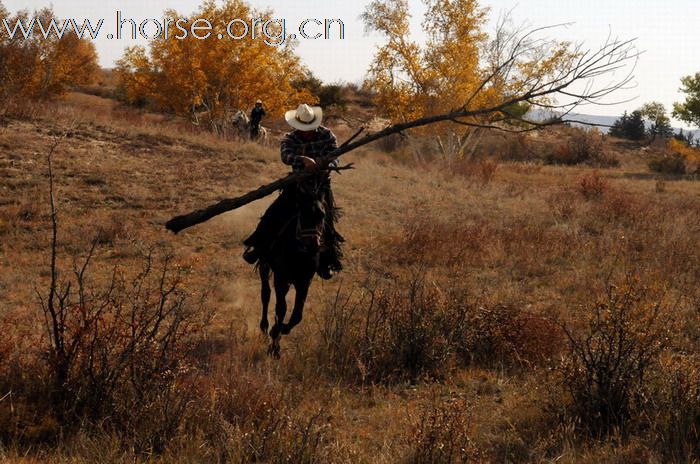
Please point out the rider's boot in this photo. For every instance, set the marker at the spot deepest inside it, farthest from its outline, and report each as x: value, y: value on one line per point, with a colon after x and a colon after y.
x: 252, y: 244
x: 329, y: 261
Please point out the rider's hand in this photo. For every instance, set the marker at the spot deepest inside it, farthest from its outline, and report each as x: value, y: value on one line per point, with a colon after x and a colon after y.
x: 309, y: 163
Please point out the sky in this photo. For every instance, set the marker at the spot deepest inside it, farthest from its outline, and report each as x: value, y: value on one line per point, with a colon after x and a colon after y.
x: 667, y: 33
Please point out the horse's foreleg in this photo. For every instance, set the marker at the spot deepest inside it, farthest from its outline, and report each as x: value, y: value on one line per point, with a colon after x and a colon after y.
x: 297, y: 313
x: 265, y: 292
x: 281, y: 290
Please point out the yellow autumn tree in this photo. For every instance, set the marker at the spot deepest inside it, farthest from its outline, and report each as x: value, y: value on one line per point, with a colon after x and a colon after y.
x: 690, y: 155
x: 459, y: 65
x: 412, y: 80
x: 36, y: 67
x: 214, y: 77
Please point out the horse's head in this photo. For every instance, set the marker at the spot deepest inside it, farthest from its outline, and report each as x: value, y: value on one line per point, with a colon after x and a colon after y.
x: 240, y: 118
x: 310, y: 221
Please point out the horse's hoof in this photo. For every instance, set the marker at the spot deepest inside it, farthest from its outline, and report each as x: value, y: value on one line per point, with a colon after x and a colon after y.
x: 263, y: 327
x: 274, y: 351
x: 285, y: 329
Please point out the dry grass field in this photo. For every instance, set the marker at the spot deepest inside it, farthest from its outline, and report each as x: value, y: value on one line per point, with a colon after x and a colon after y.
x: 489, y: 311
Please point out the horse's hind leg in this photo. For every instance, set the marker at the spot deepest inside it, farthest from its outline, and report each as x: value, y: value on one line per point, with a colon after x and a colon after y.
x: 300, y: 298
x: 265, y: 292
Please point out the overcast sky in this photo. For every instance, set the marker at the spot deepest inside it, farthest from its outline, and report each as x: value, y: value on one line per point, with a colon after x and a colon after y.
x: 667, y: 32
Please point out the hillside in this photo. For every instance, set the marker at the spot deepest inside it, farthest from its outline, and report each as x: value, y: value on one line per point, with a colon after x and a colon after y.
x: 441, y: 340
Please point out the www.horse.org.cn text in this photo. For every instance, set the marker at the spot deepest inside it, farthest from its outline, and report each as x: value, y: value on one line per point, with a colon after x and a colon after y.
x: 272, y: 31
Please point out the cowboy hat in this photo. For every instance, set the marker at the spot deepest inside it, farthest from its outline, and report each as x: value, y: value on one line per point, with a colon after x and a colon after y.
x: 305, y: 117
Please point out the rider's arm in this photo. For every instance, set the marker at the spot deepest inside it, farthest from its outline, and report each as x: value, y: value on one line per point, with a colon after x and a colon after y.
x: 332, y: 145
x: 288, y: 150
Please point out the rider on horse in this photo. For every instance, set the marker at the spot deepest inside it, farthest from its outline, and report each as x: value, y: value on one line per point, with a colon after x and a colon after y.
x: 308, y: 143
x: 256, y: 116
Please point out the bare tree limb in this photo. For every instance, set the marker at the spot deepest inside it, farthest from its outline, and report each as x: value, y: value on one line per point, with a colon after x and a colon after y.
x: 612, y: 56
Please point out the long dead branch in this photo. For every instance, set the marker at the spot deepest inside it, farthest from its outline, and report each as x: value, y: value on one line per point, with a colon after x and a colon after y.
x: 612, y: 56
x: 179, y: 223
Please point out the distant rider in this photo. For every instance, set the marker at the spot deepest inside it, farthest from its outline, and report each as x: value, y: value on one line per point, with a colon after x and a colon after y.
x: 256, y: 116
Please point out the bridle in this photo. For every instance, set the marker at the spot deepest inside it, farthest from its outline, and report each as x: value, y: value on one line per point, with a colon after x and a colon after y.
x: 306, y: 235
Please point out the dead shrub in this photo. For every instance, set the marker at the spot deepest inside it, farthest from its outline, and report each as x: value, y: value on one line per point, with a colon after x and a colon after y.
x: 339, y: 333
x: 121, y: 355
x: 606, y: 370
x: 673, y: 164
x: 116, y: 353
x: 583, y: 147
x: 593, y: 186
x: 442, y: 435
x: 515, y: 147
x: 249, y: 417
x: 404, y: 337
x: 564, y: 202
x: 504, y: 336
x: 406, y: 329
x: 394, y: 332
x: 621, y: 207
x: 675, y: 418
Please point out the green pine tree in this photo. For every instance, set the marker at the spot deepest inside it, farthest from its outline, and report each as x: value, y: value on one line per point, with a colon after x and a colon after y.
x: 618, y: 127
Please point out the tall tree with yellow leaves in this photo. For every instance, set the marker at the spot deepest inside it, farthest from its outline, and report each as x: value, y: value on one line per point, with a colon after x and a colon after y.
x: 214, y: 77
x: 38, y: 67
x: 412, y: 80
x: 458, y: 66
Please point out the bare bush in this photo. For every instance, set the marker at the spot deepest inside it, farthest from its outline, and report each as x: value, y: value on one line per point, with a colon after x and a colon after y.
x: 606, y: 371
x: 505, y: 336
x: 248, y: 417
x: 675, y: 418
x: 442, y: 435
x: 593, y: 186
x: 403, y: 337
x: 394, y: 331
x: 673, y: 163
x: 122, y: 355
x: 564, y: 203
x: 515, y: 147
x: 620, y: 206
x: 119, y: 356
x: 410, y: 329
x: 583, y: 147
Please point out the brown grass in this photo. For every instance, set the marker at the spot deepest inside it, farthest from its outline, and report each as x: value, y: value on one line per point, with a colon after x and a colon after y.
x: 436, y: 343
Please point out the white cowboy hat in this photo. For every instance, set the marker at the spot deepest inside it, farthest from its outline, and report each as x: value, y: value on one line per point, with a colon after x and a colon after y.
x: 305, y: 118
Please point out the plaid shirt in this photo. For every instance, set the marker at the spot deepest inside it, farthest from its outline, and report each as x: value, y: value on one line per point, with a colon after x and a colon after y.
x: 294, y: 146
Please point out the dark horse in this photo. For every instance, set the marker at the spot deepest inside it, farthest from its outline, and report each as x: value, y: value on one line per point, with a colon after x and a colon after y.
x: 293, y: 259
